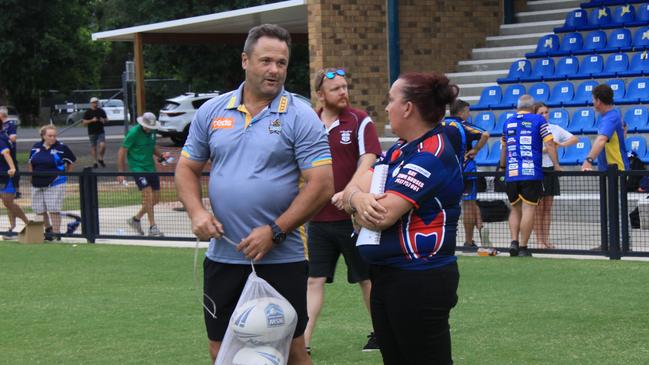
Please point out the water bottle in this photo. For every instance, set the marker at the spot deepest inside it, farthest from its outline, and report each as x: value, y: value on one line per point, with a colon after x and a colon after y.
x: 119, y: 232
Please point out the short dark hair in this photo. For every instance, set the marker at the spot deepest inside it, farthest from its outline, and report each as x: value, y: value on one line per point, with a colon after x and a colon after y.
x: 458, y: 106
x: 603, y: 93
x: 430, y: 93
x: 266, y: 30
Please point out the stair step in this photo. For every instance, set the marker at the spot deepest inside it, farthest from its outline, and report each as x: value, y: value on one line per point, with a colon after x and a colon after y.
x: 468, y: 90
x: 514, y: 40
x: 552, y: 4
x: 534, y: 16
x: 502, y: 52
x: 476, y: 76
x: 485, y: 65
x: 530, y: 27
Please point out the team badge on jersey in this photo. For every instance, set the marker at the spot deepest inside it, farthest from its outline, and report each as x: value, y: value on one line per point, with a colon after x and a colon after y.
x: 345, y: 137
x: 275, y: 127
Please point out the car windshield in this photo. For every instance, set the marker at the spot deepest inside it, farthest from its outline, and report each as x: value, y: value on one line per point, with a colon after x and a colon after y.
x: 112, y: 103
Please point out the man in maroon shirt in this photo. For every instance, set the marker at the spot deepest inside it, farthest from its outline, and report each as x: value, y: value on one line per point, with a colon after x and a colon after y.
x: 354, y: 148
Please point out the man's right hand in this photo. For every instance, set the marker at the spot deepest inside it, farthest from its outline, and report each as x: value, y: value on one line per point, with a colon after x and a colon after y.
x: 205, y: 225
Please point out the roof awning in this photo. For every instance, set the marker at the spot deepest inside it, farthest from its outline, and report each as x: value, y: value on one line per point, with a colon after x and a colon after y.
x: 228, y: 26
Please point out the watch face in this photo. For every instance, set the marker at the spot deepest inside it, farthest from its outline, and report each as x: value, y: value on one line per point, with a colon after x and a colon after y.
x: 279, y: 238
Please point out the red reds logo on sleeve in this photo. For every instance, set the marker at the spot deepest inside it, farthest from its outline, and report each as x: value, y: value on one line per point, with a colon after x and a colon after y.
x: 222, y: 123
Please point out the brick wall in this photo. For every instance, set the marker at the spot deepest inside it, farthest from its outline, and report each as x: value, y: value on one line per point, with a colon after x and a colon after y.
x: 434, y: 35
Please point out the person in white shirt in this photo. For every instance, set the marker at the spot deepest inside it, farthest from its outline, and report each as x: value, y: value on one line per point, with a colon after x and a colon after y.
x: 562, y: 138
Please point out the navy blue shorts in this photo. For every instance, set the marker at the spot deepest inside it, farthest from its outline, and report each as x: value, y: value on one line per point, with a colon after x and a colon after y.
x: 147, y: 180
x: 470, y: 189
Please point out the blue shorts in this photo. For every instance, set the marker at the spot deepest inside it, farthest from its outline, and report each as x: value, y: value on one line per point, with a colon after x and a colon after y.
x: 9, y: 188
x: 470, y: 189
x: 147, y: 180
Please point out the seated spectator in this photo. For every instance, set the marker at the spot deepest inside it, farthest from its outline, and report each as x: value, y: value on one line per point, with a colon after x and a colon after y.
x: 49, y: 155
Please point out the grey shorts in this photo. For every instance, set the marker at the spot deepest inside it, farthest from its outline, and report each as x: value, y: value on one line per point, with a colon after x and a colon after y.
x: 48, y: 199
x: 97, y: 138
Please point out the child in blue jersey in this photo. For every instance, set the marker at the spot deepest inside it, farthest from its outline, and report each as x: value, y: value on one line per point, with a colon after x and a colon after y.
x: 413, y: 269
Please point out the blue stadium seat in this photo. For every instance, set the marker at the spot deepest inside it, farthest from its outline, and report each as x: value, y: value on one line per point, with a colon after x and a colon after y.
x: 540, y: 92
x: 566, y: 68
x: 616, y: 64
x: 485, y: 120
x: 500, y: 123
x: 593, y: 42
x: 571, y: 43
x: 599, y: 18
x: 583, y: 121
x: 576, y: 19
x: 623, y: 15
x: 483, y: 155
x: 637, y: 119
x: 641, y: 16
x: 639, y: 65
x: 591, y: 65
x: 636, y: 92
x: 576, y: 154
x: 560, y: 117
x: 543, y: 67
x: 637, y: 144
x: 641, y: 38
x: 584, y: 94
x: 618, y: 41
x: 490, y: 96
x: 546, y: 45
x: 494, y: 154
x: 562, y: 93
x: 619, y: 90
x: 510, y: 97
x: 518, y: 71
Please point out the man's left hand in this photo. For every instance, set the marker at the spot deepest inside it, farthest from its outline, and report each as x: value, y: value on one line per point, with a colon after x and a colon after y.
x: 258, y: 243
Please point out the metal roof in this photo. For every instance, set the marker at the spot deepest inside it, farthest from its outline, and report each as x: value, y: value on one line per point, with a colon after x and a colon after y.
x: 291, y: 14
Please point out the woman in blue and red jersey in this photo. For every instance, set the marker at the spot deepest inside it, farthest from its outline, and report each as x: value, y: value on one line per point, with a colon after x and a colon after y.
x: 413, y: 269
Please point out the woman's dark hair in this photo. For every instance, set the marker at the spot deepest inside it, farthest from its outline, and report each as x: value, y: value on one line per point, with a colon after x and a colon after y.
x: 537, y: 106
x: 430, y: 92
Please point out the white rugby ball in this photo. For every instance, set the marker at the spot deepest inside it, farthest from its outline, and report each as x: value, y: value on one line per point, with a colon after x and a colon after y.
x: 263, y: 320
x: 262, y: 355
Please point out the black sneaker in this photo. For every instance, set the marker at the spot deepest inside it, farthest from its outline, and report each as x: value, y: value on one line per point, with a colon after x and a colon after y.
x: 372, y: 344
x: 48, y: 234
x: 10, y: 235
x: 524, y: 252
x: 513, y: 249
x: 472, y: 245
x: 95, y: 165
x: 101, y: 162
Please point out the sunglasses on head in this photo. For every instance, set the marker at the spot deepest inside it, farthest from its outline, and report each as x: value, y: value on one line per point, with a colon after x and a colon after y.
x: 330, y: 75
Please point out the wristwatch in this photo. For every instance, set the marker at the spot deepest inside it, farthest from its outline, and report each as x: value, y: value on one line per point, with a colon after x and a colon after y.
x: 278, y: 235
x: 590, y: 160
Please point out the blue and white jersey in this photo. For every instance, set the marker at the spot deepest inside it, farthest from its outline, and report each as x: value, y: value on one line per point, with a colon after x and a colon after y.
x: 523, y: 136
x: 256, y: 167
x: 426, y: 173
x: 52, y: 159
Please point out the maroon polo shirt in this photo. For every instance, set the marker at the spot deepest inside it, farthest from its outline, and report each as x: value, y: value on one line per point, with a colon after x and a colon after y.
x: 350, y: 137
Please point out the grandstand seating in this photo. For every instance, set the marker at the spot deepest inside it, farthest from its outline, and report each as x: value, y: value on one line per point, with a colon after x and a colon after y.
x: 491, y: 95
x: 601, y: 17
x: 497, y: 130
x: 637, y: 119
x: 571, y: 42
x: 576, y: 19
x: 636, y: 92
x: 591, y: 66
x: 485, y: 120
x: 562, y: 93
x: 493, y: 159
x: 543, y: 68
x: 575, y: 154
x: 583, y: 121
x: 566, y: 67
x: 593, y: 42
x: 510, y: 97
x: 519, y: 70
x: 616, y: 63
x: 637, y: 144
x: 639, y: 65
x: 483, y: 154
x: 618, y: 89
x: 560, y: 117
x: 540, y: 92
x: 641, y: 38
x: 618, y: 41
x: 545, y: 46
x: 584, y: 94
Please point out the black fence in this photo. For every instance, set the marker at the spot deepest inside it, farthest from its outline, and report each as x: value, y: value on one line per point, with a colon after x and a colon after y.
x: 593, y: 215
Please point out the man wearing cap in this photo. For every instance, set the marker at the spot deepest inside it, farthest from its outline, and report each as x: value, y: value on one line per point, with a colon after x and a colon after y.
x: 138, y: 148
x: 94, y: 118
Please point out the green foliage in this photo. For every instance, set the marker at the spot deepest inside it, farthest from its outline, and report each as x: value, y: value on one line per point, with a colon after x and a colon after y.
x: 46, y: 45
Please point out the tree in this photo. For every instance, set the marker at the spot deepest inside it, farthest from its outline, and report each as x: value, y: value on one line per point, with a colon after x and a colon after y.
x: 46, y: 44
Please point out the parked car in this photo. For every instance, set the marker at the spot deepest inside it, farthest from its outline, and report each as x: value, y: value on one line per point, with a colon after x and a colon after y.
x: 114, y: 109
x: 13, y: 114
x: 177, y: 113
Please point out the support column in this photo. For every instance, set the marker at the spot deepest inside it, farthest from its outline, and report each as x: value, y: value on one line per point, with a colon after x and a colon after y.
x: 139, y: 74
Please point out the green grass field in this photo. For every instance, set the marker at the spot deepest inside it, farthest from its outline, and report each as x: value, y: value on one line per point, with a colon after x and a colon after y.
x: 101, y: 304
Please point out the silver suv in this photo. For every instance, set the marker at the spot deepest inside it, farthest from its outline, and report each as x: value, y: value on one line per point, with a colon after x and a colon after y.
x: 177, y: 114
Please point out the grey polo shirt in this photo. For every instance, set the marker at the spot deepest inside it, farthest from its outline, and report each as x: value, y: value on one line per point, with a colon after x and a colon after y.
x: 256, y: 167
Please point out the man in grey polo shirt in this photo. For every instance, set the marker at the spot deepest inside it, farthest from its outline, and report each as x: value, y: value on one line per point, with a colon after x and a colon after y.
x: 260, y: 141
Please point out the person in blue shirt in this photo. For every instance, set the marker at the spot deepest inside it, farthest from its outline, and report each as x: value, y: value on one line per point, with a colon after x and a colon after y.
x: 473, y: 139
x: 609, y: 147
x: 9, y: 166
x: 49, y: 155
x: 413, y: 268
x: 521, y: 156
